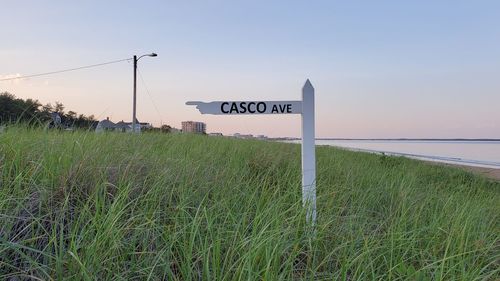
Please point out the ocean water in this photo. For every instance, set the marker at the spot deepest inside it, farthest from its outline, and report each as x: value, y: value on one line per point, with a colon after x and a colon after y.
x: 472, y: 153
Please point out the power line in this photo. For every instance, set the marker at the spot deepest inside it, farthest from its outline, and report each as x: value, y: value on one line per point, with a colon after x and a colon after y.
x: 64, y: 70
x: 150, y: 97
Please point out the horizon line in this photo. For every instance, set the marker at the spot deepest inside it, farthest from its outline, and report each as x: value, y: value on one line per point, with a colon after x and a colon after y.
x: 393, y: 139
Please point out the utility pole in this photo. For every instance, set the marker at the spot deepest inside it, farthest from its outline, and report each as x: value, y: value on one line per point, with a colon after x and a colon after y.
x: 134, y: 117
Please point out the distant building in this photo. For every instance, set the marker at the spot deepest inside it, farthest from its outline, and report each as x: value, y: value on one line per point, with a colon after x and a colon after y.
x: 123, y: 127
x: 249, y: 136
x: 216, y: 134
x: 242, y: 136
x: 194, y: 127
x: 107, y: 125
x: 56, y: 118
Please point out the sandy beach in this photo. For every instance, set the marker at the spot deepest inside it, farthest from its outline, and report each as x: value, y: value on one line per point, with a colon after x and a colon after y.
x: 487, y: 172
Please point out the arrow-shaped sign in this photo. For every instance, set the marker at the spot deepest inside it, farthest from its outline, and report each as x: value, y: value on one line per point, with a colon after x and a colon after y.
x: 248, y: 107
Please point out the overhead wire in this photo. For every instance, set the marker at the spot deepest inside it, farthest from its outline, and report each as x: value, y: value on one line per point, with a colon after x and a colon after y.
x: 150, y: 97
x: 90, y: 66
x: 63, y: 70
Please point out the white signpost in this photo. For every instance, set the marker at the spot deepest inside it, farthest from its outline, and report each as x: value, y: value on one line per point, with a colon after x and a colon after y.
x: 305, y: 108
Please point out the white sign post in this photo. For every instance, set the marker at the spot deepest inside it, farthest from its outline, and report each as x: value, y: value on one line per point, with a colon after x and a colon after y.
x: 305, y: 108
x: 308, y: 153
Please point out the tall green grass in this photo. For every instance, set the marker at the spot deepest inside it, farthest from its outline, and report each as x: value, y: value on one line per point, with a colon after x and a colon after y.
x: 85, y: 206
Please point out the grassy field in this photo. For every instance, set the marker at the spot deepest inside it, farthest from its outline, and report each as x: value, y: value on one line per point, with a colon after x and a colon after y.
x: 85, y: 206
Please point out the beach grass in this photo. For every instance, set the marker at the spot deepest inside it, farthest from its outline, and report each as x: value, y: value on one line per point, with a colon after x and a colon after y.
x: 114, y: 206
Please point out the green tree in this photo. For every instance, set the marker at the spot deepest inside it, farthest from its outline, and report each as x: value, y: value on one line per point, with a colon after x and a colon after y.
x: 13, y: 109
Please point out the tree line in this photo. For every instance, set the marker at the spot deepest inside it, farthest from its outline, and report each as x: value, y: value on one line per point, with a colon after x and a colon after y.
x: 32, y: 112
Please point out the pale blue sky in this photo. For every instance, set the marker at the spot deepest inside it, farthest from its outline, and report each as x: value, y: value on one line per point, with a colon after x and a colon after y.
x: 380, y: 68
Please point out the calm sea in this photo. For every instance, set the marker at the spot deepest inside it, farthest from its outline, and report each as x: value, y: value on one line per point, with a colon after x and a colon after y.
x: 473, y: 153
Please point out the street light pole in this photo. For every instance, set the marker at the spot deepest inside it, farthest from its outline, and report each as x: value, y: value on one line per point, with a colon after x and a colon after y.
x: 135, y: 95
x: 134, y: 117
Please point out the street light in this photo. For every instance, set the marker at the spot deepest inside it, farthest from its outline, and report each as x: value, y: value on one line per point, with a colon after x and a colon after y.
x: 135, y: 88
